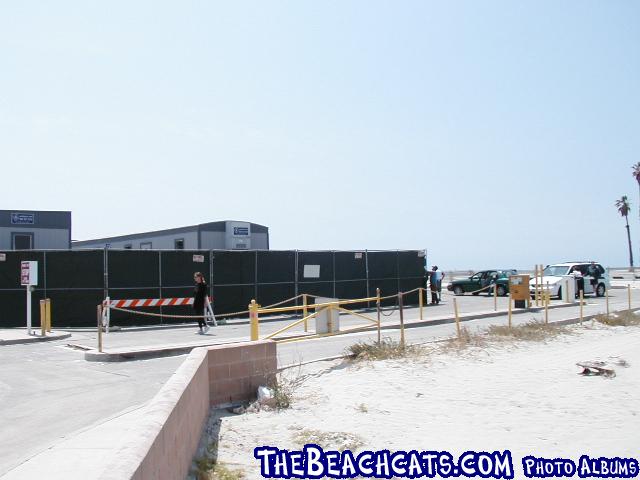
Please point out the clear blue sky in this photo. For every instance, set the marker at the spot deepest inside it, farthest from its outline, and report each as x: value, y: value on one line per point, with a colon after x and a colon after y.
x: 492, y: 133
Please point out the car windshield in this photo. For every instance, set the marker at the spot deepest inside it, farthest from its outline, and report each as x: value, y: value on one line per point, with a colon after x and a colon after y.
x: 555, y: 270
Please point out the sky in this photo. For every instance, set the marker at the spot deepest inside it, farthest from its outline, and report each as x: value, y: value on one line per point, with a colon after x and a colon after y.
x: 494, y: 134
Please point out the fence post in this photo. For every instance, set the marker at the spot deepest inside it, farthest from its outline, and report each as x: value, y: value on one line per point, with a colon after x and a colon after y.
x: 629, y: 294
x: 606, y: 294
x: 547, y: 297
x: 305, y: 312
x: 455, y: 311
x: 509, y: 311
x: 100, y: 328
x: 495, y: 296
x: 43, y: 318
x: 47, y: 306
x: 581, y: 305
x: 378, y: 309
x: 420, y: 300
x: 400, y: 294
x: 535, y: 292
x: 253, y: 317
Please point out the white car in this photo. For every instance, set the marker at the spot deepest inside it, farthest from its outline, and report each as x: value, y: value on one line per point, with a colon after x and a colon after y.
x: 554, y: 275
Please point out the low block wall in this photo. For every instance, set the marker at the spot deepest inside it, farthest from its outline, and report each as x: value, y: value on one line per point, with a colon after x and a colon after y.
x: 236, y: 373
x: 163, y: 441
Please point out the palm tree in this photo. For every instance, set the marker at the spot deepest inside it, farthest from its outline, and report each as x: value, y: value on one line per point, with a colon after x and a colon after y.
x: 623, y: 208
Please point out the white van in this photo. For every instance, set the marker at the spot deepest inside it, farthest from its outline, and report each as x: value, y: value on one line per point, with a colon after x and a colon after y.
x: 554, y: 273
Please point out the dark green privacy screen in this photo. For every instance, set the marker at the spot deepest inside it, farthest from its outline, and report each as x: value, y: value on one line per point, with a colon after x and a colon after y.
x: 77, y: 281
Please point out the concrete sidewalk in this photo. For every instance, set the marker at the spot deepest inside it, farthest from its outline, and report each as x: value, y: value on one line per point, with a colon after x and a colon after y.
x: 183, y: 345
x: 16, y: 336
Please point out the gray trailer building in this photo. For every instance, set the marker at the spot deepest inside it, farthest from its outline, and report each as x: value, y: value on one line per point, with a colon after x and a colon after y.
x: 35, y: 229
x: 224, y: 235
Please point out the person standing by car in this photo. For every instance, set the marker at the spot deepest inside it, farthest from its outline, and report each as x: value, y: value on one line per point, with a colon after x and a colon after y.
x: 577, y: 274
x: 199, y: 299
x: 436, y: 285
x: 594, y: 272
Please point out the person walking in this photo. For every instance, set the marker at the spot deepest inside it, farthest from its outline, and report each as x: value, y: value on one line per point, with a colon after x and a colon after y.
x: 199, y: 300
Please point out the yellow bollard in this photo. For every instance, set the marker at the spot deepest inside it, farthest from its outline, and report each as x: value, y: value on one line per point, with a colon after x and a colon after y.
x: 100, y: 328
x: 455, y: 311
x: 378, y: 309
x: 305, y: 312
x: 581, y: 305
x: 43, y: 318
x: 253, y: 318
x: 420, y: 301
x: 48, y: 311
x: 629, y: 294
x: 547, y: 297
x: 509, y: 311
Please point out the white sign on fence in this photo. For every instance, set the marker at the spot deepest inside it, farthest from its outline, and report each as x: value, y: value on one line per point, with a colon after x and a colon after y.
x: 198, y: 258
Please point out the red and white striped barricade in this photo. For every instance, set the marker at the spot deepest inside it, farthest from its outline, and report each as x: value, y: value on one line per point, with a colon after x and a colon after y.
x: 108, y: 303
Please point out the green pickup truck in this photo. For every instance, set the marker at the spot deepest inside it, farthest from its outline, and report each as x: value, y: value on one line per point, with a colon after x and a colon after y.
x: 479, y: 280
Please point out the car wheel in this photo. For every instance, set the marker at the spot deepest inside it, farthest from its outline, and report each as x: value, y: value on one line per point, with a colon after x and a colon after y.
x: 600, y: 290
x: 475, y: 293
x: 501, y: 291
x: 457, y: 290
x: 559, y: 293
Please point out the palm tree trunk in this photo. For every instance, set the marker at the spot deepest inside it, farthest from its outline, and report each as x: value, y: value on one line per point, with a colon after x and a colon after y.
x: 630, y: 249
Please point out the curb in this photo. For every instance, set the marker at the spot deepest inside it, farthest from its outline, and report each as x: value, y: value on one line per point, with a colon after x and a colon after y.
x: 23, y: 341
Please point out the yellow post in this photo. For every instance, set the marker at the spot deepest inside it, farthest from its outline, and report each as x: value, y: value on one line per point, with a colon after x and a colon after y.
x: 100, y: 328
x: 253, y: 318
x: 305, y: 312
x: 540, y: 269
x: 48, y: 310
x: 378, y: 309
x: 629, y: 294
x: 43, y: 318
x: 420, y: 301
x: 455, y: 311
x: 606, y: 294
x: 495, y: 296
x: 566, y: 289
x: 509, y: 311
x: 547, y: 297
x: 581, y: 305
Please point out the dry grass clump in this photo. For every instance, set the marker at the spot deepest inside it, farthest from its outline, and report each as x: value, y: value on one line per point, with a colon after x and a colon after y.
x: 284, y: 386
x: 208, y: 468
x: 385, y: 350
x: 339, y: 441
x: 534, y: 331
x: 619, y: 319
x: 465, y: 340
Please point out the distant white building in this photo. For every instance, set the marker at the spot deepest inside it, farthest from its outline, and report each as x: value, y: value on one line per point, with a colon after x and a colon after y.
x: 35, y: 229
x: 223, y: 235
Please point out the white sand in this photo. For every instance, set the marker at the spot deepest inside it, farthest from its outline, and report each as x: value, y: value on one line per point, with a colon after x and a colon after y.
x: 525, y: 397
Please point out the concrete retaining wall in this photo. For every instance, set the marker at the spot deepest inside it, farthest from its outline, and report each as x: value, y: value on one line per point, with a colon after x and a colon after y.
x: 162, y: 443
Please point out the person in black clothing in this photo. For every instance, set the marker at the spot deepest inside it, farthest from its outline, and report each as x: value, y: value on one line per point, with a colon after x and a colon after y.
x: 199, y: 298
x: 594, y: 273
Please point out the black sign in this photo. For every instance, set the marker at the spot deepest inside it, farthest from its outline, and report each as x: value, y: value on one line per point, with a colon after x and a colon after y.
x: 23, y: 219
